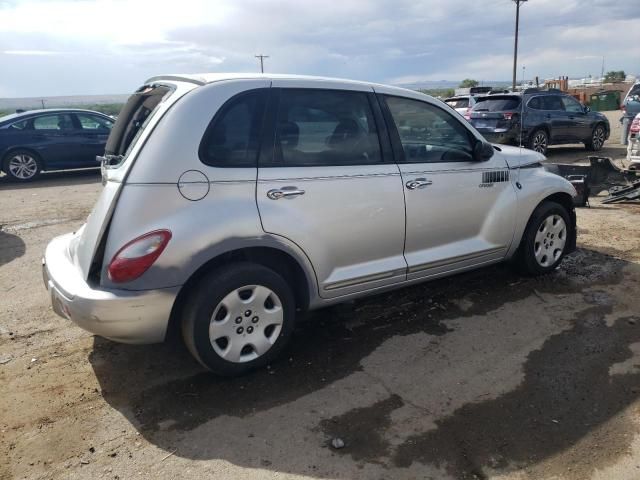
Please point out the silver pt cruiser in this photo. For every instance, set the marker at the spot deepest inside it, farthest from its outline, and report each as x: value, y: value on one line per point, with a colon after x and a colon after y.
x: 231, y: 202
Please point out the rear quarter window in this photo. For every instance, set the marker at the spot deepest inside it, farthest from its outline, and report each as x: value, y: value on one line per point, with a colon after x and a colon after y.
x: 233, y: 136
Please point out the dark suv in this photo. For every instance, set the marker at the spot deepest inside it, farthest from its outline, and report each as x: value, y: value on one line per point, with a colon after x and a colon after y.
x: 550, y: 118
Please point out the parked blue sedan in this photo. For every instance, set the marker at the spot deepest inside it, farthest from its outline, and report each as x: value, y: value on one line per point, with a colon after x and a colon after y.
x: 52, y: 139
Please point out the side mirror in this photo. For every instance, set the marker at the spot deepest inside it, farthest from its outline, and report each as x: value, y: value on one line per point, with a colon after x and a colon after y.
x: 587, y: 109
x: 482, y: 151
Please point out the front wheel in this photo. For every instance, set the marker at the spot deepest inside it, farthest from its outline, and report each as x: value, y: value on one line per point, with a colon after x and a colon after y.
x: 239, y: 318
x: 545, y: 239
x: 597, y: 139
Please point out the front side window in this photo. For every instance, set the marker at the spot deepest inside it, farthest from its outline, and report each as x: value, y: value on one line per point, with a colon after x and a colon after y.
x: 232, y: 140
x: 325, y: 127
x: 429, y: 134
x: 53, y: 122
x: 94, y: 123
x: 572, y: 105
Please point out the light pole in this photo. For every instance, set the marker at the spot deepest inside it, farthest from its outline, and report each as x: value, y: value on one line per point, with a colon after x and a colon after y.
x: 515, y: 48
x: 522, y: 81
x: 262, y: 57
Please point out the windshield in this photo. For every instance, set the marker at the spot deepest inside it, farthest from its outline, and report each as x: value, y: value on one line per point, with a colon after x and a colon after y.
x: 132, y: 120
x: 496, y: 104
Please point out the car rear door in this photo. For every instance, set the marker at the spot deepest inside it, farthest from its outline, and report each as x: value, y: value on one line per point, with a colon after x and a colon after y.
x: 578, y: 123
x: 327, y: 182
x: 556, y: 118
x: 460, y: 212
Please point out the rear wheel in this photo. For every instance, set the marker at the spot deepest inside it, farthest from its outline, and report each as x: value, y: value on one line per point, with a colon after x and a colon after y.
x: 539, y: 141
x: 239, y: 318
x: 22, y: 165
x: 544, y: 242
x: 597, y: 139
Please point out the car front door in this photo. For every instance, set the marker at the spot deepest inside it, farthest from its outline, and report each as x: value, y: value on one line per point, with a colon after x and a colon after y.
x: 460, y: 212
x: 327, y: 182
x: 93, y: 132
x: 578, y: 125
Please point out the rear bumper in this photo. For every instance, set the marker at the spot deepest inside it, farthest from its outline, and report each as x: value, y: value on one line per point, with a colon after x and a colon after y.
x: 120, y: 315
x: 508, y: 137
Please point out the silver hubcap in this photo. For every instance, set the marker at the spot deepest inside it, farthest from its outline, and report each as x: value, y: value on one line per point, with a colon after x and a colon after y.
x: 23, y: 166
x: 598, y: 138
x: 540, y: 142
x: 246, y: 323
x: 550, y: 240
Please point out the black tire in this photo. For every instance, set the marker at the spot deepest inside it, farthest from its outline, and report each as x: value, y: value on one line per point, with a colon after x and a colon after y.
x: 539, y: 141
x: 597, y: 139
x: 26, y: 157
x: 526, y: 258
x: 207, y: 299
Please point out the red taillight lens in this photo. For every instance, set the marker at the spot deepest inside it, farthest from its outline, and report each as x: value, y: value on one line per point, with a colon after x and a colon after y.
x: 635, y: 125
x: 137, y: 256
x: 508, y: 115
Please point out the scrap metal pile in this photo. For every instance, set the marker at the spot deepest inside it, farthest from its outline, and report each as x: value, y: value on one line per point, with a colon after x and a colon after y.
x: 600, y: 175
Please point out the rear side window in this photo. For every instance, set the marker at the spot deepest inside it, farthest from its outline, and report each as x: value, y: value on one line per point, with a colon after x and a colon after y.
x: 53, y: 122
x: 325, y: 127
x: 232, y: 139
x: 553, y: 102
x: 497, y: 104
x: 536, y: 103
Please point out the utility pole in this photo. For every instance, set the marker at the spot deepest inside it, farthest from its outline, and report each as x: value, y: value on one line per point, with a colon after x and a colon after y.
x: 262, y: 57
x: 515, y: 48
x: 602, y: 72
x: 42, y: 101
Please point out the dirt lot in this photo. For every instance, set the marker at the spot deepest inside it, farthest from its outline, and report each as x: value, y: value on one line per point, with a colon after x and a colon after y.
x: 484, y: 375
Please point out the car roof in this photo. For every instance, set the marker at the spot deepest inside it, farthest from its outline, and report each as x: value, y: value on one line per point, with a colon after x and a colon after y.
x: 51, y: 111
x: 206, y: 78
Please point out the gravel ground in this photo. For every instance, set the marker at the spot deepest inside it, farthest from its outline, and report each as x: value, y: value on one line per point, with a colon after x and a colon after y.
x: 482, y: 375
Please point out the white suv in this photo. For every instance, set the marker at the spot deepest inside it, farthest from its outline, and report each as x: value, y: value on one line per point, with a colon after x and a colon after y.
x: 231, y: 202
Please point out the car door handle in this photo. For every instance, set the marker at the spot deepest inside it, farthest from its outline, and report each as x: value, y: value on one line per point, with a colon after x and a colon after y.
x: 284, y: 192
x: 418, y: 183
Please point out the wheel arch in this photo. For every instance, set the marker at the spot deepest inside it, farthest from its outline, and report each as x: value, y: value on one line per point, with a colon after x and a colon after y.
x: 10, y: 150
x: 276, y: 259
x: 566, y: 201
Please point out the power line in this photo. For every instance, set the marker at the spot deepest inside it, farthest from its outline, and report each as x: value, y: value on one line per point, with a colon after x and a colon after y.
x: 262, y: 57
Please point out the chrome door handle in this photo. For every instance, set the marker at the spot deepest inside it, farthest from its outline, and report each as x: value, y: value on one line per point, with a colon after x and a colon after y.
x: 418, y: 183
x: 284, y: 192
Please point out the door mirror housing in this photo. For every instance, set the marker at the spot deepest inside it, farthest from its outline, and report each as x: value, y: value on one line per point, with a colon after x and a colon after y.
x: 482, y: 151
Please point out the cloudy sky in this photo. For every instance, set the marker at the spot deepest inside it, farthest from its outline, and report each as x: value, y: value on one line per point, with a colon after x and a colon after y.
x: 66, y: 47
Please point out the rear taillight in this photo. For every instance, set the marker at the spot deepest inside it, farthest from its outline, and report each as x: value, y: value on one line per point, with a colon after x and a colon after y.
x: 508, y: 115
x: 137, y: 256
x: 467, y: 114
x: 623, y: 108
x: 635, y: 125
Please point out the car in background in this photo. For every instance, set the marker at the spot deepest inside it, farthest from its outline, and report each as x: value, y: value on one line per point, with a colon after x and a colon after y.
x: 52, y: 139
x: 539, y: 118
x: 631, y: 102
x: 633, y: 144
x: 461, y: 103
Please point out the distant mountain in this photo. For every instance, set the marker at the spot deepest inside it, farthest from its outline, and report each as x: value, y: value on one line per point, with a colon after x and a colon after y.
x: 433, y: 84
x: 67, y: 101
